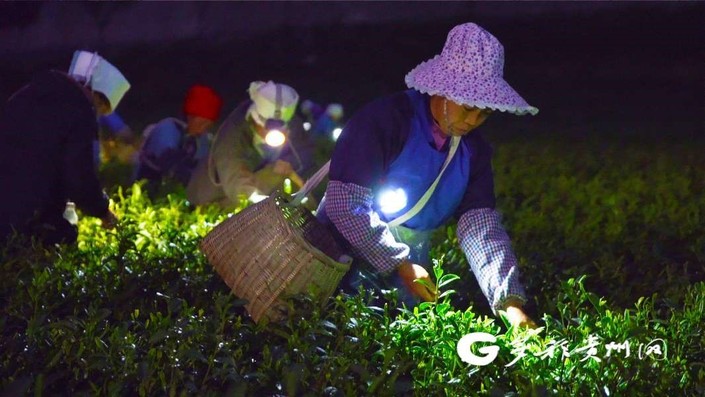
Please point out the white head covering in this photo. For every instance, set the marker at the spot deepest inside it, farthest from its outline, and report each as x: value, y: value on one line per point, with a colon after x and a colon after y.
x: 335, y: 111
x: 264, y: 101
x: 92, y: 69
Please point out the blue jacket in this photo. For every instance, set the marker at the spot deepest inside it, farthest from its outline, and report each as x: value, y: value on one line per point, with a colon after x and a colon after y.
x: 169, y: 152
x: 376, y: 136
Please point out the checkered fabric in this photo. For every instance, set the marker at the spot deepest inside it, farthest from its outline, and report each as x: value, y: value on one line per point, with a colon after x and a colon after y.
x: 349, y: 207
x: 480, y: 233
x: 489, y: 252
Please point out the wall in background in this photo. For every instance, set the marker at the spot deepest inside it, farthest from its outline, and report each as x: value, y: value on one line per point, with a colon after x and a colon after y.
x: 34, y: 26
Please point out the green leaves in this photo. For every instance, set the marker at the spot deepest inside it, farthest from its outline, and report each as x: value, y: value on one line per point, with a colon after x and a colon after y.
x: 138, y: 310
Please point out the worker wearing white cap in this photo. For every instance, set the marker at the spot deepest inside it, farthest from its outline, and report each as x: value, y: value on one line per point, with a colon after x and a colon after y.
x: 47, y: 134
x: 109, y: 86
x: 102, y: 77
x: 258, y: 146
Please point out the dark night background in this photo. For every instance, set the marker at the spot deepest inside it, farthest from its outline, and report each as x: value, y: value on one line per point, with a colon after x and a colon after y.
x: 615, y: 68
x: 618, y: 84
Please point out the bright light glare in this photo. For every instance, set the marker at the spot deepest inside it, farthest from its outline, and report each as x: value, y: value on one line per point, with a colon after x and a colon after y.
x: 336, y: 133
x: 392, y: 201
x: 256, y: 197
x: 275, y: 138
x: 307, y: 125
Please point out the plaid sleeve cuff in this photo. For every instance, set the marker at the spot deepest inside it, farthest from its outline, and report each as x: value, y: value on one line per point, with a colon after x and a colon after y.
x: 349, y: 207
x: 489, y: 252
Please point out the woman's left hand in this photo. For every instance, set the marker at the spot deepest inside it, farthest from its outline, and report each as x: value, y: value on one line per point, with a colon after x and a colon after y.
x: 516, y: 315
x: 410, y: 273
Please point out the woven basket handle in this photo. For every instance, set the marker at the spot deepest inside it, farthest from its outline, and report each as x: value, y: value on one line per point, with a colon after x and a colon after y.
x: 310, y: 184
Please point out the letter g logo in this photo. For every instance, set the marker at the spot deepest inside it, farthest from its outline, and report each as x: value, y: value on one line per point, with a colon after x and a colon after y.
x: 466, y: 355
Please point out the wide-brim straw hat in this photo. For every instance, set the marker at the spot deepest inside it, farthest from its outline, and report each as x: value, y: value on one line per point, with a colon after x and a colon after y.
x: 469, y: 71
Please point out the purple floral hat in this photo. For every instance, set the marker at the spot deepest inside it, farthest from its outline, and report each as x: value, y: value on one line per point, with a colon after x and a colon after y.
x: 469, y: 72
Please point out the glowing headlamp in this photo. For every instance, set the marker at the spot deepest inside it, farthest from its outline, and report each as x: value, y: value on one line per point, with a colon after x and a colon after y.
x: 275, y: 126
x: 275, y: 136
x: 392, y: 201
x: 256, y: 197
x: 336, y: 133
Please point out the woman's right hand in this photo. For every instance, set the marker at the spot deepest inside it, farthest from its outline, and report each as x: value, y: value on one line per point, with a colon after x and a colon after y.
x: 109, y: 221
x: 282, y: 168
x: 409, y: 273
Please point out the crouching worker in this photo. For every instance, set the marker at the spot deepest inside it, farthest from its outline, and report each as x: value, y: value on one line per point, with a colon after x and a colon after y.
x: 323, y: 122
x: 258, y: 146
x: 407, y: 163
x: 47, y: 134
x: 172, y: 147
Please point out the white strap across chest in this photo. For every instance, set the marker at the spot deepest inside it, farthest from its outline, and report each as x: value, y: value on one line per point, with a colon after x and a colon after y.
x: 316, y: 178
x: 455, y: 141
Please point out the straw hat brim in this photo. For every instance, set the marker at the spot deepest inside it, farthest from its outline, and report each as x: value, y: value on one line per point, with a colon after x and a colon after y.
x: 432, y: 77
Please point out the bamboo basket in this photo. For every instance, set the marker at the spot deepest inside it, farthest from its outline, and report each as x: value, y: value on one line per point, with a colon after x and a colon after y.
x: 272, y: 250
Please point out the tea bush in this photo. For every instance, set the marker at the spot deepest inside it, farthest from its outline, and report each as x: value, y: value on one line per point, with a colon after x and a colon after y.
x: 609, y: 237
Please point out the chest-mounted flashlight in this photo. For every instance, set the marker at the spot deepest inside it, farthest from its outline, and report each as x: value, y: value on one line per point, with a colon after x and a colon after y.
x: 392, y: 201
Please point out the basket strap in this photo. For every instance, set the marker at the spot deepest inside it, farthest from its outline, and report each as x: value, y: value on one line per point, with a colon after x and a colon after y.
x: 455, y: 141
x: 311, y: 184
x: 316, y: 179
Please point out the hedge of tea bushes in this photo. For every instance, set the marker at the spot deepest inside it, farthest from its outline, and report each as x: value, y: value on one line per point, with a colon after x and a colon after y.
x: 629, y: 215
x: 611, y: 252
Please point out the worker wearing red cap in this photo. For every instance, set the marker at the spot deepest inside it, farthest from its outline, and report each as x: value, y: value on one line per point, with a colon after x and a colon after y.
x: 172, y: 147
